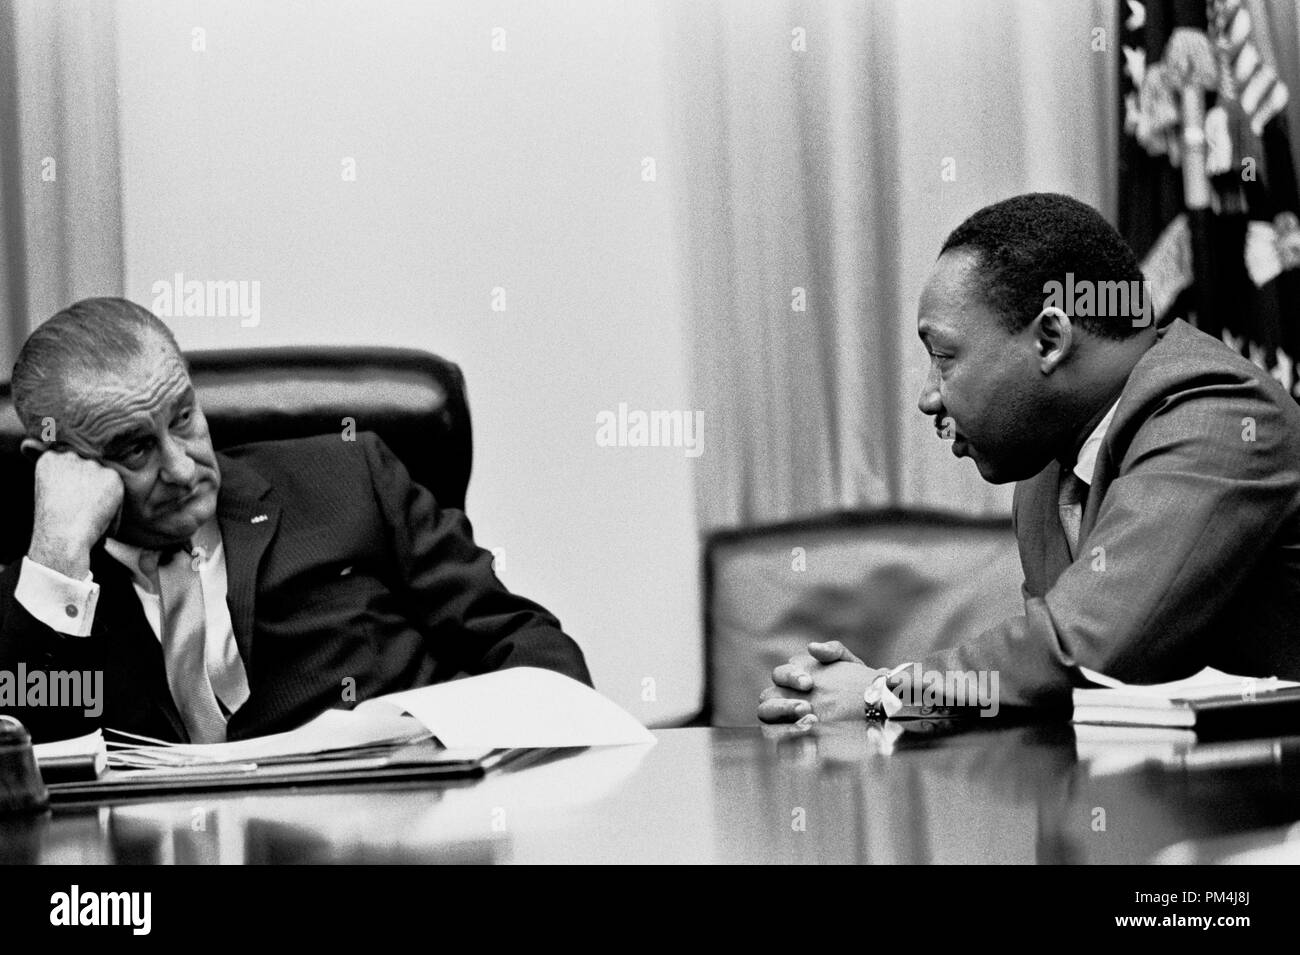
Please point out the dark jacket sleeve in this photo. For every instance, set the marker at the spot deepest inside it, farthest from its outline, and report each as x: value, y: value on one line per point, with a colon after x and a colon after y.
x: 1200, y: 495
x: 29, y: 647
x: 468, y: 613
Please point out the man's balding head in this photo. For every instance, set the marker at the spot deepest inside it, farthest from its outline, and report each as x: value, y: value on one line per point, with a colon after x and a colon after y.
x: 93, y: 338
x: 105, y: 380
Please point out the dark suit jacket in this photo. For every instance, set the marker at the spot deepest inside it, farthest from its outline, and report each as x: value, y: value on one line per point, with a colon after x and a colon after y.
x: 1189, y: 549
x: 346, y: 580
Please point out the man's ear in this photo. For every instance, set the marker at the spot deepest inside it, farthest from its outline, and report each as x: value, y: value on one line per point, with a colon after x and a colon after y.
x: 32, y: 448
x: 1053, y: 337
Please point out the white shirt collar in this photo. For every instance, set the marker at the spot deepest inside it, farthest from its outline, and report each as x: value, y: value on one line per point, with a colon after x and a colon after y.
x: 206, y: 539
x: 1086, y: 462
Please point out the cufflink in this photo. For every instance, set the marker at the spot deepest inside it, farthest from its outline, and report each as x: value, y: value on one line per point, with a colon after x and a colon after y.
x: 878, y: 702
x: 258, y: 519
x: 874, y: 712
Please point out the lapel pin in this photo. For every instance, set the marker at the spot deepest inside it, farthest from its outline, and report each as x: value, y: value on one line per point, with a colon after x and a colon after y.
x: 258, y: 519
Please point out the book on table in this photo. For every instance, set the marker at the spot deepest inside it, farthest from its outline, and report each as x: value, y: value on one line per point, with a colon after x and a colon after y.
x: 1211, y: 703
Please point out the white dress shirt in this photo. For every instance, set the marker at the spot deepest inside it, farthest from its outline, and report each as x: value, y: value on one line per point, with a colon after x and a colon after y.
x: 68, y: 606
x: 1086, y: 463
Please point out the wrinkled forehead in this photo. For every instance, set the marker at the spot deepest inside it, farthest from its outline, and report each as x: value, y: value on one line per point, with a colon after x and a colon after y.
x: 103, y: 405
x: 953, y: 302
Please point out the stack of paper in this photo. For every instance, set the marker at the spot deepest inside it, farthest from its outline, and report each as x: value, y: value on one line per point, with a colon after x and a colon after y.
x: 459, y: 728
x: 333, y: 733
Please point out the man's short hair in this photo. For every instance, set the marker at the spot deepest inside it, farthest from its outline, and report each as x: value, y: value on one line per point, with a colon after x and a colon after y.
x: 95, y: 336
x: 1026, y: 242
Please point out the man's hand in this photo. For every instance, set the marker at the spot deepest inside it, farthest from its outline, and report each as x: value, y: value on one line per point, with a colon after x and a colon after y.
x: 825, y: 684
x: 77, y: 500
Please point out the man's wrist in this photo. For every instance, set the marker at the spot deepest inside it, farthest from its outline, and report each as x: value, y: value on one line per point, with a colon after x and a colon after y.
x: 878, y: 700
x: 69, y: 559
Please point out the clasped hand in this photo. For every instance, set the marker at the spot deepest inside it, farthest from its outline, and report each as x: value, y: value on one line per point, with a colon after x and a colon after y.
x: 826, y: 683
x: 78, y: 500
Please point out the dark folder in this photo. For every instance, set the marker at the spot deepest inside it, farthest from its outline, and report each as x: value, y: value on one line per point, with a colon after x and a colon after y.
x: 419, y: 761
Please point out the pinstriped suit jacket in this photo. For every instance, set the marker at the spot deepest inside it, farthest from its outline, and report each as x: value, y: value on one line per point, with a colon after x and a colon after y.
x: 340, y: 568
x: 1189, y: 549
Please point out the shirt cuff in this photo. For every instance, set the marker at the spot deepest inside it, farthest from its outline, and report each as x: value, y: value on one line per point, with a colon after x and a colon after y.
x: 879, y: 701
x: 61, y: 603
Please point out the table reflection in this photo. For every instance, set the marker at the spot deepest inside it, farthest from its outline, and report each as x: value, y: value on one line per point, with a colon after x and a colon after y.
x: 932, y: 791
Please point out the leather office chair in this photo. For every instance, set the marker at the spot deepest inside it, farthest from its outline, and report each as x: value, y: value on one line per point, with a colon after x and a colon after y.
x: 415, y: 401
x: 891, y: 585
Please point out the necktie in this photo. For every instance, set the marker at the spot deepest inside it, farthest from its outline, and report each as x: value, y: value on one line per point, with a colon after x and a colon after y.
x: 1073, y: 492
x: 184, y: 633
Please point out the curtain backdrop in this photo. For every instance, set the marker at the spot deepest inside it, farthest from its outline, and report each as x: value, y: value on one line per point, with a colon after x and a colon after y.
x: 830, y: 147
x: 60, y: 185
x: 821, y: 151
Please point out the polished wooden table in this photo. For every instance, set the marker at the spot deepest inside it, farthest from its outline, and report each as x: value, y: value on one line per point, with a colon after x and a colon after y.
x: 933, y: 793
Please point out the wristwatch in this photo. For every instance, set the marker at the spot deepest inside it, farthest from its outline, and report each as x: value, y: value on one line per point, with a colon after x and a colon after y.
x: 878, y: 701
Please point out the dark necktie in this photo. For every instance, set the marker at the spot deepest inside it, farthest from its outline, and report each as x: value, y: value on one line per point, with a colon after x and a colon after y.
x: 1072, y: 493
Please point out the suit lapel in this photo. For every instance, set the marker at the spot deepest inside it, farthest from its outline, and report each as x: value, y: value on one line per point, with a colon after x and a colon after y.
x: 248, y: 522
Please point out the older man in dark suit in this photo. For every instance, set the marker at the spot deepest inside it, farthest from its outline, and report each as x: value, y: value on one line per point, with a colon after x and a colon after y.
x: 229, y: 595
x: 1158, y: 503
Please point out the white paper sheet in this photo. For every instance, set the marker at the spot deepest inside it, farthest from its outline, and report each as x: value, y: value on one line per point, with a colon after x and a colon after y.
x: 332, y: 731
x: 521, y: 706
x: 1206, y: 684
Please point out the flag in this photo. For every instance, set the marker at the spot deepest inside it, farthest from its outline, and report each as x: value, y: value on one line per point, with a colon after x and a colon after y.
x: 1208, y: 196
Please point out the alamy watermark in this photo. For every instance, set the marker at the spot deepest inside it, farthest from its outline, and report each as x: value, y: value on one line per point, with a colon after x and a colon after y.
x: 1086, y: 298
x: 930, y: 689
x: 76, y: 689
x: 631, y: 428
x: 133, y: 910
x: 182, y: 298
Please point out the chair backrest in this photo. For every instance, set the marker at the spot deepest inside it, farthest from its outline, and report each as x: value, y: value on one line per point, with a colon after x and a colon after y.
x: 892, y: 585
x: 415, y: 401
